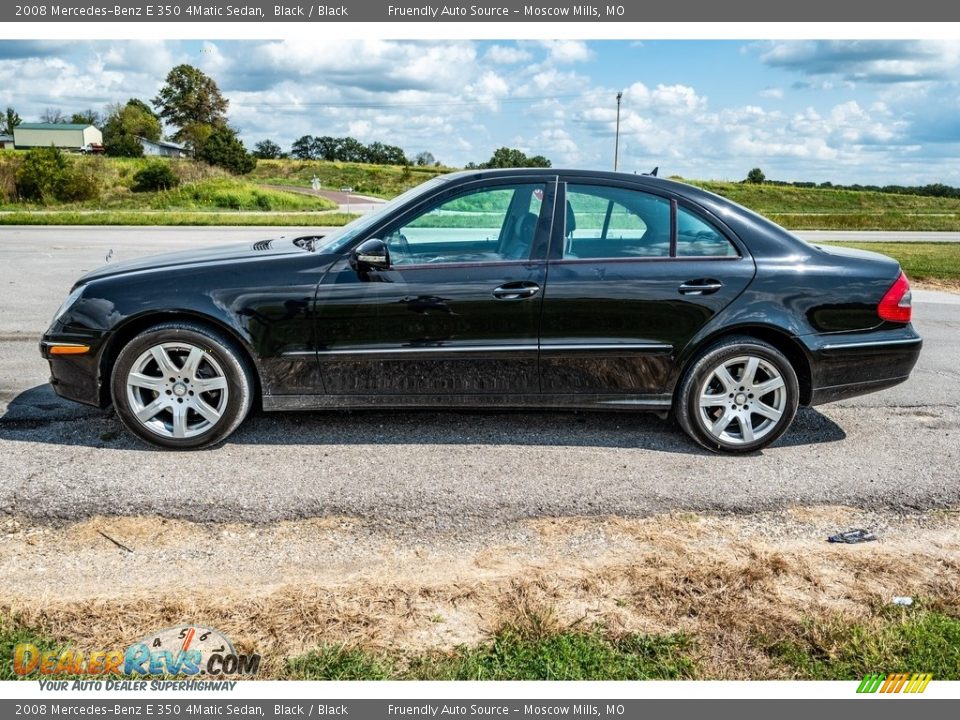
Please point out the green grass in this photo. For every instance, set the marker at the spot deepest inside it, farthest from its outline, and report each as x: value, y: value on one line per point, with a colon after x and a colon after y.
x: 908, y: 641
x: 785, y: 199
x: 514, y: 656
x: 202, y: 195
x: 384, y: 181
x: 12, y: 633
x: 920, y: 261
x: 175, y: 217
x: 890, y: 640
x: 207, y: 188
x: 833, y: 209
x: 230, y: 194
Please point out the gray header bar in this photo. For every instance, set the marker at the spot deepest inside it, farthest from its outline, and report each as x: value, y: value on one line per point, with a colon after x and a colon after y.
x: 410, y: 709
x: 479, y: 11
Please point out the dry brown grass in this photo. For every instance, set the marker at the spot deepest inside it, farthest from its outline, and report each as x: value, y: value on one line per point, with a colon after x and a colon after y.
x: 739, y: 585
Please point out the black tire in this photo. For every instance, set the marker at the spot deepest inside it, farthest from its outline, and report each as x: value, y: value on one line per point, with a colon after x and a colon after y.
x: 219, y: 357
x: 700, y: 378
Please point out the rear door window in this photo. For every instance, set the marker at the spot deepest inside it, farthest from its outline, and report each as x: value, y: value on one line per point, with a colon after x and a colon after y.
x: 612, y: 222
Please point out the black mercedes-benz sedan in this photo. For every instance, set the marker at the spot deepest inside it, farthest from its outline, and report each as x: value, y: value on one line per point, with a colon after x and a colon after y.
x: 503, y: 288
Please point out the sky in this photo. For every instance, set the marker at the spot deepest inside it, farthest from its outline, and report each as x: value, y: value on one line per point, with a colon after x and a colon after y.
x: 864, y: 111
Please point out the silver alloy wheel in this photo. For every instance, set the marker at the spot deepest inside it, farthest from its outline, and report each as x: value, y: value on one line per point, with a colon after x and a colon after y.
x: 177, y: 390
x: 742, y: 400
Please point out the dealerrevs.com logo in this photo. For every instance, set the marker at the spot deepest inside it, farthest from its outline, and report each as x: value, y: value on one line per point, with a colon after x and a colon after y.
x: 895, y: 683
x: 185, y: 650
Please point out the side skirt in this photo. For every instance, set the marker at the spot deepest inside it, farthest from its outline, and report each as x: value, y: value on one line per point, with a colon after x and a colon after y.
x: 653, y: 403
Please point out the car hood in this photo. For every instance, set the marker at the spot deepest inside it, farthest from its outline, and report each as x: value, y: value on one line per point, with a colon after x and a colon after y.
x: 200, y: 256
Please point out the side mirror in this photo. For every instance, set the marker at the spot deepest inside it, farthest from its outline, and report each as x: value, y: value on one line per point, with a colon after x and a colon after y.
x: 371, y: 254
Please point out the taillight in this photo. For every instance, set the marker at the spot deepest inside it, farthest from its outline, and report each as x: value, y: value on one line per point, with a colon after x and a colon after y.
x: 896, y: 304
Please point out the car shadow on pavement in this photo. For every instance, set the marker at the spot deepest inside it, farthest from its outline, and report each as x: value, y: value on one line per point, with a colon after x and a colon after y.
x: 38, y: 415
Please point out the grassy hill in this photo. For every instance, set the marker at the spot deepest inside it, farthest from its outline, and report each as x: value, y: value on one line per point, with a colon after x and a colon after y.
x: 833, y: 209
x: 206, y: 195
x: 211, y: 196
x: 383, y: 181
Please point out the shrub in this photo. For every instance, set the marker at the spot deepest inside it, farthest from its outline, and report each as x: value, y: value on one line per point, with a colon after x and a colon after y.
x: 124, y: 146
x: 9, y: 164
x: 225, y: 149
x: 41, y: 174
x: 155, y: 176
x: 81, y: 181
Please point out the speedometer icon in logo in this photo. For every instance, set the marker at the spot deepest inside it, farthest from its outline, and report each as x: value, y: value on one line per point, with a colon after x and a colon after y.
x: 190, y: 637
x: 183, y: 649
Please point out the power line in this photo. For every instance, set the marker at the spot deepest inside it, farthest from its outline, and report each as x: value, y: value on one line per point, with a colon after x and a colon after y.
x: 419, y: 103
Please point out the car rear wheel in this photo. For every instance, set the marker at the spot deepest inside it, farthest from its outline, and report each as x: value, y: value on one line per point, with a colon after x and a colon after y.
x: 738, y: 396
x: 181, y: 385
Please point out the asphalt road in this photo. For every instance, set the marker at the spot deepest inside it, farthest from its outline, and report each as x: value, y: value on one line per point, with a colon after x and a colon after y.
x: 445, y: 471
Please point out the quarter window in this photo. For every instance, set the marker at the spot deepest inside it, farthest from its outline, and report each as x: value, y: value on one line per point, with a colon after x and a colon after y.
x: 698, y: 238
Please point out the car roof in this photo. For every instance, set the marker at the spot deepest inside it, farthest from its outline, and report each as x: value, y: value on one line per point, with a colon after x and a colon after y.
x: 766, y: 236
x: 681, y: 188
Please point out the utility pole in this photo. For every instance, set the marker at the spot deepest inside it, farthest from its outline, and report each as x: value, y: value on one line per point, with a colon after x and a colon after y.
x: 616, y: 142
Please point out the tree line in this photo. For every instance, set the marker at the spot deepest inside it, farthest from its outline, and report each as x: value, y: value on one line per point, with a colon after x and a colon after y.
x: 757, y: 177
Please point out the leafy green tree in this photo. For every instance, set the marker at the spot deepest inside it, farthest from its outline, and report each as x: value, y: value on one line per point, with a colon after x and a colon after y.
x: 190, y: 100
x: 380, y: 154
x: 10, y: 120
x: 327, y: 148
x: 425, y: 158
x: 512, y: 158
x: 225, y: 149
x: 86, y: 117
x: 266, y: 150
x: 195, y: 135
x: 123, y: 146
x: 351, y: 150
x: 125, y: 124
x: 303, y: 148
x: 756, y: 176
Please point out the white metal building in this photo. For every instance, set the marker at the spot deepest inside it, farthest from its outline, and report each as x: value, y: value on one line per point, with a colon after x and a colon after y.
x: 62, y: 135
x: 162, y: 148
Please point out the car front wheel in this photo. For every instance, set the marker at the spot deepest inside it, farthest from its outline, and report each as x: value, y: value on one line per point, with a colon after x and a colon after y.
x: 181, y: 385
x: 738, y: 396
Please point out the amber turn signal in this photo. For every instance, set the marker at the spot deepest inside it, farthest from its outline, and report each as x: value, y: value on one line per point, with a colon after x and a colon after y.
x: 69, y: 349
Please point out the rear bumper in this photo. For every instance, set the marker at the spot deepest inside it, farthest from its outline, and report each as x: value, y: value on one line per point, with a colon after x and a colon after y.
x: 851, y: 364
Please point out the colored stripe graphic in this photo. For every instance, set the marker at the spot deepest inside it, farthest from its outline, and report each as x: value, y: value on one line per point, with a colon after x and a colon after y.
x: 895, y: 683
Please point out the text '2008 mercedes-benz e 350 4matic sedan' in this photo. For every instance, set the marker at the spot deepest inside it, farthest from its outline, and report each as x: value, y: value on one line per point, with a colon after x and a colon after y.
x: 505, y: 288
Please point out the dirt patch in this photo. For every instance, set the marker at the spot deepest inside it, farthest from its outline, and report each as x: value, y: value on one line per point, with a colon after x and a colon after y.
x: 283, y: 589
x: 946, y: 284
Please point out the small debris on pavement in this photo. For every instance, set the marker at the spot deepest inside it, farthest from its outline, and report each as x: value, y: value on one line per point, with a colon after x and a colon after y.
x: 852, y: 536
x: 115, y: 542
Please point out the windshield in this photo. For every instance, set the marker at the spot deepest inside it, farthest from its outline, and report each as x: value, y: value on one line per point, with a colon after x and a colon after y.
x: 340, y: 238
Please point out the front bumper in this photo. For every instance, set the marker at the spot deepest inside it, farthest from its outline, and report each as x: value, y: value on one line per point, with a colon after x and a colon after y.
x: 850, y: 364
x: 76, y: 376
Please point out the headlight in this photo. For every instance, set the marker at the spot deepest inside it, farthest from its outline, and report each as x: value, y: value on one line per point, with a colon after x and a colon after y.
x: 68, y: 303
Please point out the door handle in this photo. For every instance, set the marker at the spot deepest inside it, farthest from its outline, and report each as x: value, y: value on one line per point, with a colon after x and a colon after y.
x: 516, y: 290
x: 700, y: 287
